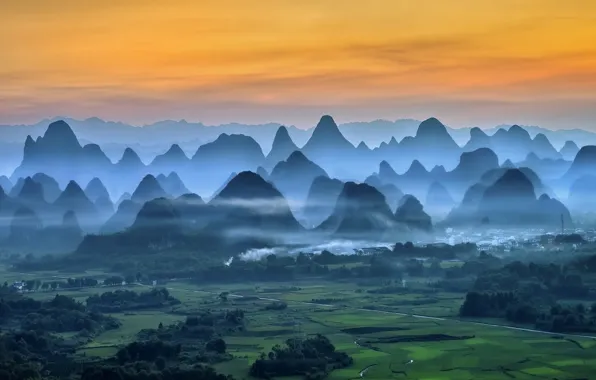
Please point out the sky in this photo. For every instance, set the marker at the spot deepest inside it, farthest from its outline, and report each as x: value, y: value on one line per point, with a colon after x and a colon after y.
x: 467, y: 62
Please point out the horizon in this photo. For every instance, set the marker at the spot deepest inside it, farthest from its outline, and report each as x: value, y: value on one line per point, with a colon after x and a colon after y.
x: 218, y: 62
x: 52, y: 119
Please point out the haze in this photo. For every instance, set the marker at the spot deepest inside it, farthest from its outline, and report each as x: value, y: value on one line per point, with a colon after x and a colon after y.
x: 469, y: 63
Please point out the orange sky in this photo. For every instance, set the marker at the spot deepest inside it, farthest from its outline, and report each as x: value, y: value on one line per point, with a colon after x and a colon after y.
x: 468, y: 62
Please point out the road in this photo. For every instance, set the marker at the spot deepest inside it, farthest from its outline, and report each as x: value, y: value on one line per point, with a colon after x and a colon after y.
x: 522, y: 329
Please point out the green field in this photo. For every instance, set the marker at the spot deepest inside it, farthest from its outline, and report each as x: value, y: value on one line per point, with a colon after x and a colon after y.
x: 368, y: 327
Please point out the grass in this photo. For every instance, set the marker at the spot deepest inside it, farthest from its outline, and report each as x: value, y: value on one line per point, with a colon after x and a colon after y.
x: 491, y: 353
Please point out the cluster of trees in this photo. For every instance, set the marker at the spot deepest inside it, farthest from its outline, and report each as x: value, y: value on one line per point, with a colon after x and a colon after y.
x: 314, y: 358
x: 439, y: 251
x: 511, y: 306
x: 120, y: 300
x: 199, y: 337
x: 568, y: 319
x: 138, y: 371
x: 61, y: 314
x: 539, y: 279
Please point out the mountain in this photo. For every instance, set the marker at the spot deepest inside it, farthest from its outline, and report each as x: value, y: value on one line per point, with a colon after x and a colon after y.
x: 172, y: 184
x: 159, y: 213
x: 472, y: 165
x: 387, y: 174
x: 5, y: 184
x: 543, y: 148
x: 545, y: 168
x: 73, y: 198
x: 191, y: 209
x: 478, y: 139
x: 511, y: 201
x: 294, y: 176
x: 173, y: 159
x: 125, y: 173
x: 360, y: 211
x: 584, y: 163
x: 57, y: 153
x: 581, y: 195
x: 123, y: 218
x: 392, y: 194
x: 130, y: 162
x: 491, y: 176
x: 250, y: 206
x: 508, y: 164
x: 438, y: 200
x: 216, y: 160
x: 25, y: 226
x: 431, y: 144
x: 321, y: 199
x: 148, y: 189
x: 30, y: 192
x: 51, y: 189
x: 104, y: 207
x: 411, y: 213
x: 416, y: 179
x: 263, y: 173
x: 569, y: 151
x: 330, y: 149
x: 465, y: 212
x: 95, y: 190
x: 282, y: 148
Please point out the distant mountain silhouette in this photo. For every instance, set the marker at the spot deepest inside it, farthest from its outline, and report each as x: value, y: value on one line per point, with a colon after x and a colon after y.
x: 59, y: 154
x: 511, y: 201
x: 361, y: 211
x: 263, y: 173
x: 329, y: 148
x: 583, y: 164
x: 51, y: 189
x: 148, y: 189
x: 282, y: 148
x: 508, y: 164
x: 411, y: 213
x: 30, y: 192
x: 514, y: 143
x: 104, y: 207
x: 192, y: 210
x: 173, y: 159
x: 24, y: 227
x: 73, y: 198
x: 387, y: 174
x: 478, y: 139
x: 294, y: 176
x: 392, y: 194
x: 172, y: 184
x: 581, y: 197
x: 472, y: 165
x: 321, y: 199
x: 431, y: 144
x: 216, y: 160
x: 250, y: 205
x: 95, y: 190
x: 438, y: 200
x: 123, y: 218
x: 545, y: 168
x: 5, y: 183
x: 158, y: 213
x: 569, y: 151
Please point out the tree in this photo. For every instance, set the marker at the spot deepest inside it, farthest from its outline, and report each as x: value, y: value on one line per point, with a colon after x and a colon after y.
x: 223, y: 296
x: 30, y: 285
x: 216, y: 345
